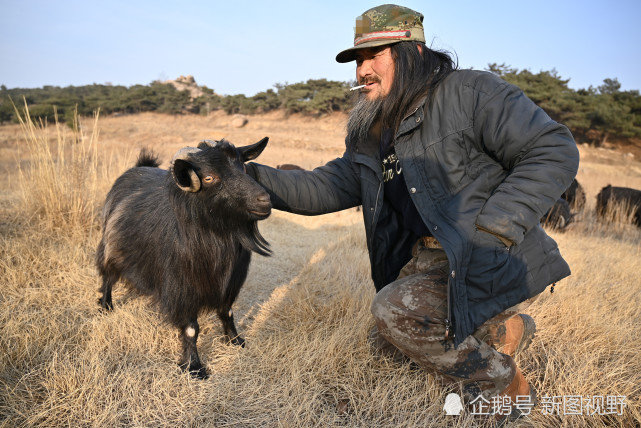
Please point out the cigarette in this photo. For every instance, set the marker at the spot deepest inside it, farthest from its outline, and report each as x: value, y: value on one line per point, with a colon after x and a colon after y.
x: 357, y: 87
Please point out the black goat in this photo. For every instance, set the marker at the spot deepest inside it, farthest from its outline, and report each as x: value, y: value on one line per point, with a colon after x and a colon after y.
x: 575, y: 195
x: 624, y: 197
x: 559, y: 216
x: 185, y: 236
x: 289, y: 167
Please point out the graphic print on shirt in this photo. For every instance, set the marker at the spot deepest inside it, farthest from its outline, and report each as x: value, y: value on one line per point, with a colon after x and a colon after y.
x: 391, y: 167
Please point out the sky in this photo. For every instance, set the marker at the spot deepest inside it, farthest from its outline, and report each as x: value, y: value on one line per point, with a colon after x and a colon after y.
x: 245, y: 47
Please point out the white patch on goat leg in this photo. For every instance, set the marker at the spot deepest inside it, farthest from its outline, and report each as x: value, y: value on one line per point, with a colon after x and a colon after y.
x: 190, y: 331
x: 231, y: 314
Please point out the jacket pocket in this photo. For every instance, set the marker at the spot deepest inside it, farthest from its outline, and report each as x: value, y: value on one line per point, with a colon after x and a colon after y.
x: 444, y: 164
x: 492, y: 271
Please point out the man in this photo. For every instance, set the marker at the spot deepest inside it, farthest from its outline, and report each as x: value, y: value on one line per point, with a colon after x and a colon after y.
x: 453, y: 169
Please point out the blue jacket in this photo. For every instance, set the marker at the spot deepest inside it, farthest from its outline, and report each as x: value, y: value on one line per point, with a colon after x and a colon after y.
x: 482, y: 164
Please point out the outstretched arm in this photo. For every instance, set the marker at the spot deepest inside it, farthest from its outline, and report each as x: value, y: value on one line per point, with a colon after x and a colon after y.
x: 329, y: 188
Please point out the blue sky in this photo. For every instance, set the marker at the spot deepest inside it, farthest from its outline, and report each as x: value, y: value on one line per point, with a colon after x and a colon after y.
x: 248, y: 46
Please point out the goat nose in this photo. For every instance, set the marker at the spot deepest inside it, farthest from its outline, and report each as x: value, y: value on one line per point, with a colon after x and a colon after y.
x: 264, y: 198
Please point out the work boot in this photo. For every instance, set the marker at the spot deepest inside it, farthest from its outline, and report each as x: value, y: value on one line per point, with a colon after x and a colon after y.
x: 511, y: 336
x: 521, y: 388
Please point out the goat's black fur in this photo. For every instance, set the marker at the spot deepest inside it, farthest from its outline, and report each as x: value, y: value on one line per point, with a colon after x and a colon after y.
x: 188, y: 249
x: 626, y: 197
x: 559, y: 216
x: 575, y: 196
x: 289, y: 167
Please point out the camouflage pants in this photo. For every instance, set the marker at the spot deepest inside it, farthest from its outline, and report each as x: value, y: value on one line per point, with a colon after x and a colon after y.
x: 410, y: 314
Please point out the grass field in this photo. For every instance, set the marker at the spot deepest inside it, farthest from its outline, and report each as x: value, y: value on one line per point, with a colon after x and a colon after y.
x: 304, y: 311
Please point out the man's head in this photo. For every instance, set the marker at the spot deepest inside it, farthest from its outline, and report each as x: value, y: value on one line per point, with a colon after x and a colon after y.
x: 394, y: 63
x: 376, y: 30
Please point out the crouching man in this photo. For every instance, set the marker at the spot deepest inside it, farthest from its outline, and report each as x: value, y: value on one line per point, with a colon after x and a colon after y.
x: 454, y: 169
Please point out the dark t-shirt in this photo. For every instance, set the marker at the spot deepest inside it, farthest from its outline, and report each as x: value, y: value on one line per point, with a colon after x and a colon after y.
x: 395, y: 191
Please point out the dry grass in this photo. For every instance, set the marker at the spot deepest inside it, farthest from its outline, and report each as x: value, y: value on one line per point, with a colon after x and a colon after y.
x: 304, y: 311
x: 60, y: 184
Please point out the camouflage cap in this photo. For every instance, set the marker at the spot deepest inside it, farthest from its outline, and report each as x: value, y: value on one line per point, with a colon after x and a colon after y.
x: 384, y: 25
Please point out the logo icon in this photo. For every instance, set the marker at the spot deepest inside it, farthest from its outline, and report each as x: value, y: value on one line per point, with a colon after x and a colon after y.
x: 453, y: 404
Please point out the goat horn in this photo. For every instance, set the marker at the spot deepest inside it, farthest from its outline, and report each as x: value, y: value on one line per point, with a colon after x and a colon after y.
x: 210, y: 143
x: 183, y: 154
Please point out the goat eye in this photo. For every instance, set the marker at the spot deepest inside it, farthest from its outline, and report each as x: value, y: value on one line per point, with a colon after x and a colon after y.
x: 211, y: 179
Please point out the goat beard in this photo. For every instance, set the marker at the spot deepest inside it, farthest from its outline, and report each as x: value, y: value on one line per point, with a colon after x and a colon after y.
x: 252, y: 240
x: 362, y: 117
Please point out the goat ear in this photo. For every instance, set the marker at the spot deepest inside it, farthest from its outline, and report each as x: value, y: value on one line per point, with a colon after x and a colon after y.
x: 185, y: 176
x: 251, y: 152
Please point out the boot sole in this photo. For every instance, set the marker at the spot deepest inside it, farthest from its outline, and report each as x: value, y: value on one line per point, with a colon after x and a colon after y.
x: 529, y: 328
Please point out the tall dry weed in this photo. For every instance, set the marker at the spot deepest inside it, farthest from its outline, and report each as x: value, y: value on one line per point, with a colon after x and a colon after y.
x: 618, y: 214
x: 59, y: 183
x: 617, y: 221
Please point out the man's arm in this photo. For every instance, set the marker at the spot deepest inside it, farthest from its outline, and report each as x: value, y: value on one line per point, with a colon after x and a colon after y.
x: 329, y: 188
x: 539, y: 154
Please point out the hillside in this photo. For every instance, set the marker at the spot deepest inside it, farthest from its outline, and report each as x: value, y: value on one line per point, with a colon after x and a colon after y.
x: 601, y: 116
x: 186, y: 83
x: 630, y: 147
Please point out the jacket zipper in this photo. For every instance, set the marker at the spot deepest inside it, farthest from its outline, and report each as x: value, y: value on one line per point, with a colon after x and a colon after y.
x: 380, y: 185
x: 448, y: 320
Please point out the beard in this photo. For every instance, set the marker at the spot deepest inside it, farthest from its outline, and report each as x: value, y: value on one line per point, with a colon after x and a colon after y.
x: 362, y: 117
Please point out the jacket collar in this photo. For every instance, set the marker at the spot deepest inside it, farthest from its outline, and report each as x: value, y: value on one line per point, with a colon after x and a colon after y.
x: 370, y: 147
x: 413, y: 119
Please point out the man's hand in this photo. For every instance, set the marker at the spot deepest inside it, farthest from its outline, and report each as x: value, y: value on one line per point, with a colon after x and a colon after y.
x: 503, y: 239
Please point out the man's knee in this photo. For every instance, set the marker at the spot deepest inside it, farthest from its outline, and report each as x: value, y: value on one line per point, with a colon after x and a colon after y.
x: 410, y: 311
x: 382, y: 308
x: 395, y: 300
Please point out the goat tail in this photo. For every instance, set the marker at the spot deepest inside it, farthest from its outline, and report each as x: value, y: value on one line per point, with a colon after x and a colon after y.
x: 147, y: 158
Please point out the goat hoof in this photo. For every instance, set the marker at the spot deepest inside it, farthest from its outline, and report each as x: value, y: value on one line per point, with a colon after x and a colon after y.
x: 107, y: 307
x: 238, y: 341
x: 196, y: 371
x: 199, y: 373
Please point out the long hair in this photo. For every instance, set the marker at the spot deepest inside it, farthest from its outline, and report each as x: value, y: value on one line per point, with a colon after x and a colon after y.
x: 416, y: 74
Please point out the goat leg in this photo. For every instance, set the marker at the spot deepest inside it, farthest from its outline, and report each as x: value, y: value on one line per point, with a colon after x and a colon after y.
x: 108, y: 281
x: 190, y: 359
x: 227, y: 317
